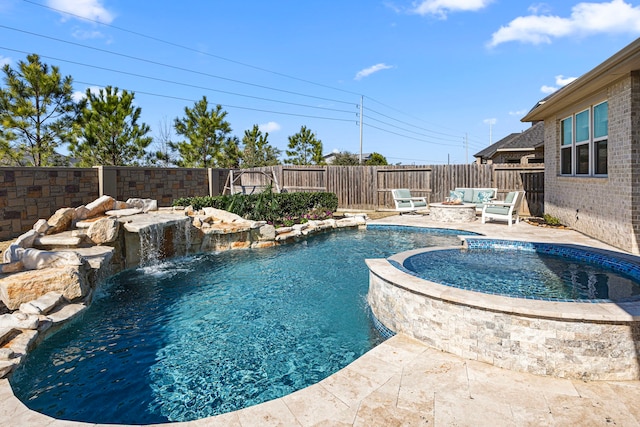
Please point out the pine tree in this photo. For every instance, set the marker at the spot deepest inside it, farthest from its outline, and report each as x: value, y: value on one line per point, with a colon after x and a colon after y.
x: 208, y: 137
x: 304, y: 148
x: 111, y: 134
x: 257, y: 151
x: 37, y: 114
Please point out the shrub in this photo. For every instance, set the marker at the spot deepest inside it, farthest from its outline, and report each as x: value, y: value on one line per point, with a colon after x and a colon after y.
x: 551, y: 220
x: 277, y: 208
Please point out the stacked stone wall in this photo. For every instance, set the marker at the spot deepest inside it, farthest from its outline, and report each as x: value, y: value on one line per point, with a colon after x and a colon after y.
x: 161, y: 184
x: 27, y: 194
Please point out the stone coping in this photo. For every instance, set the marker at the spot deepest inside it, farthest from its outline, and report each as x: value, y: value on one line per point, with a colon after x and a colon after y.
x: 575, y: 311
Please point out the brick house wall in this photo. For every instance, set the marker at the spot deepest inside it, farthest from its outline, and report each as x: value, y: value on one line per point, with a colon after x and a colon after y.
x: 606, y: 208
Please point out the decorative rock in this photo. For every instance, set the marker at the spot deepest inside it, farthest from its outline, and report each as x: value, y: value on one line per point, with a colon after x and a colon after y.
x: 64, y: 239
x: 223, y: 215
x: 42, y: 305
x: 28, y: 308
x: 66, y: 312
x: 12, y: 254
x: 6, y: 367
x: 197, y: 222
x: 26, y: 240
x: 24, y: 341
x: 35, y: 259
x: 19, y: 320
x: 299, y: 227
x: 123, y: 212
x: 5, y: 335
x: 122, y: 205
x: 145, y: 204
x: 60, y: 220
x: 12, y: 267
x: 283, y: 230
x: 80, y: 213
x: 27, y: 286
x: 6, y: 354
x: 100, y: 206
x: 267, y: 232
x: 103, y: 231
x: 41, y: 226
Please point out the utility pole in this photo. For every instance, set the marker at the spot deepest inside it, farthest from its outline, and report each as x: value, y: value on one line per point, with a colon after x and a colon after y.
x: 466, y: 148
x: 361, y: 120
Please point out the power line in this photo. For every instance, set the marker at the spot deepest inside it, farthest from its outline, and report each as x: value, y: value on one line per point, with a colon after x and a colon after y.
x: 408, y: 115
x: 227, y: 105
x: 180, y: 83
x: 191, y: 49
x: 174, y: 67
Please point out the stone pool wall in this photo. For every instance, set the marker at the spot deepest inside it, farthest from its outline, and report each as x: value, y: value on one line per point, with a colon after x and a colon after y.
x: 560, y: 339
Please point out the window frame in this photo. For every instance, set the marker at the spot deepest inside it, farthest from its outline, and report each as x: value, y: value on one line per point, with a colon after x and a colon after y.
x: 573, y: 152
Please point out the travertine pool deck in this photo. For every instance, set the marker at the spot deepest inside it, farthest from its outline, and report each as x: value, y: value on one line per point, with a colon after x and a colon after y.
x: 403, y: 382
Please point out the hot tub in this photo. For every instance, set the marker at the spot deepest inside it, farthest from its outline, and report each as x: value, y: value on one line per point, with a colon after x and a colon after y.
x: 586, y: 338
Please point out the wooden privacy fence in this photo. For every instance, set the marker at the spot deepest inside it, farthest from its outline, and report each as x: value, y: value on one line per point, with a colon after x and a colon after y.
x: 369, y: 187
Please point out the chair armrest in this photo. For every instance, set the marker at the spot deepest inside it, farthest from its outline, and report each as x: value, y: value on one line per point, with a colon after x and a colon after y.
x: 498, y: 203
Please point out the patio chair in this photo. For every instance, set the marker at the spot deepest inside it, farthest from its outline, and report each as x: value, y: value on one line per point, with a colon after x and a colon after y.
x: 506, y: 210
x: 406, y: 203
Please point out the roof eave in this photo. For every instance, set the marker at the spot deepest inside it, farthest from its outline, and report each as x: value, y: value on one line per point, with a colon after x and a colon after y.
x: 617, y: 66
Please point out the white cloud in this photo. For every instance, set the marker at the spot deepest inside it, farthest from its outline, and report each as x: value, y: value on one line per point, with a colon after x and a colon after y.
x: 373, y: 69
x: 90, y: 9
x: 269, y: 127
x: 616, y: 16
x: 490, y: 122
x: 80, y: 95
x: 4, y: 60
x: 440, y: 8
x: 560, y: 81
x: 519, y: 113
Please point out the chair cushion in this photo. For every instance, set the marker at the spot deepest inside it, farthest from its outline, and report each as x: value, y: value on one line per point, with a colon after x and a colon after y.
x: 510, y: 196
x: 484, y: 196
x: 402, y: 193
x: 499, y: 210
x: 456, y: 195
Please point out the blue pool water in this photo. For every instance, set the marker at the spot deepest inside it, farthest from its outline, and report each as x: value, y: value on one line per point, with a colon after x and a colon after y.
x: 208, y: 334
x: 525, y: 274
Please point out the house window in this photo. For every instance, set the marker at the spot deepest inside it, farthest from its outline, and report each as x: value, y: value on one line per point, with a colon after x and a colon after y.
x: 583, y: 145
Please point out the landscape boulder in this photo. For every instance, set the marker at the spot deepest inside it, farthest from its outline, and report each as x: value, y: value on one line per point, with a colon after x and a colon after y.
x: 36, y: 259
x: 145, y: 204
x: 224, y: 216
x: 100, y: 206
x: 26, y: 286
x: 104, y: 230
x: 41, y: 226
x: 60, y: 221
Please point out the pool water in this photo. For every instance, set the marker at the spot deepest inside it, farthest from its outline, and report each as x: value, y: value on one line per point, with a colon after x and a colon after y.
x: 524, y: 274
x: 207, y: 334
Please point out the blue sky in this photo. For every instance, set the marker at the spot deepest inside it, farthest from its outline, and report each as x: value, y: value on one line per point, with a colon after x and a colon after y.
x: 440, y: 79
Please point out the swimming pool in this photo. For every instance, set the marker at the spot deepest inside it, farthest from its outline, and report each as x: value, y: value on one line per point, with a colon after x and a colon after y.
x: 207, y: 334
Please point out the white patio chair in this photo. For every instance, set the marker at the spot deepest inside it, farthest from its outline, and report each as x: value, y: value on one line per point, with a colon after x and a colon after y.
x: 506, y: 210
x: 405, y: 202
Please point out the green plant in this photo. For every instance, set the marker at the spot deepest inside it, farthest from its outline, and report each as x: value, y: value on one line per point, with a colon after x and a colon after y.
x: 269, y: 206
x: 551, y: 220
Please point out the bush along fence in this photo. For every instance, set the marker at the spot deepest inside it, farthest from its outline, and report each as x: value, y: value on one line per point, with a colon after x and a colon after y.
x: 28, y: 194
